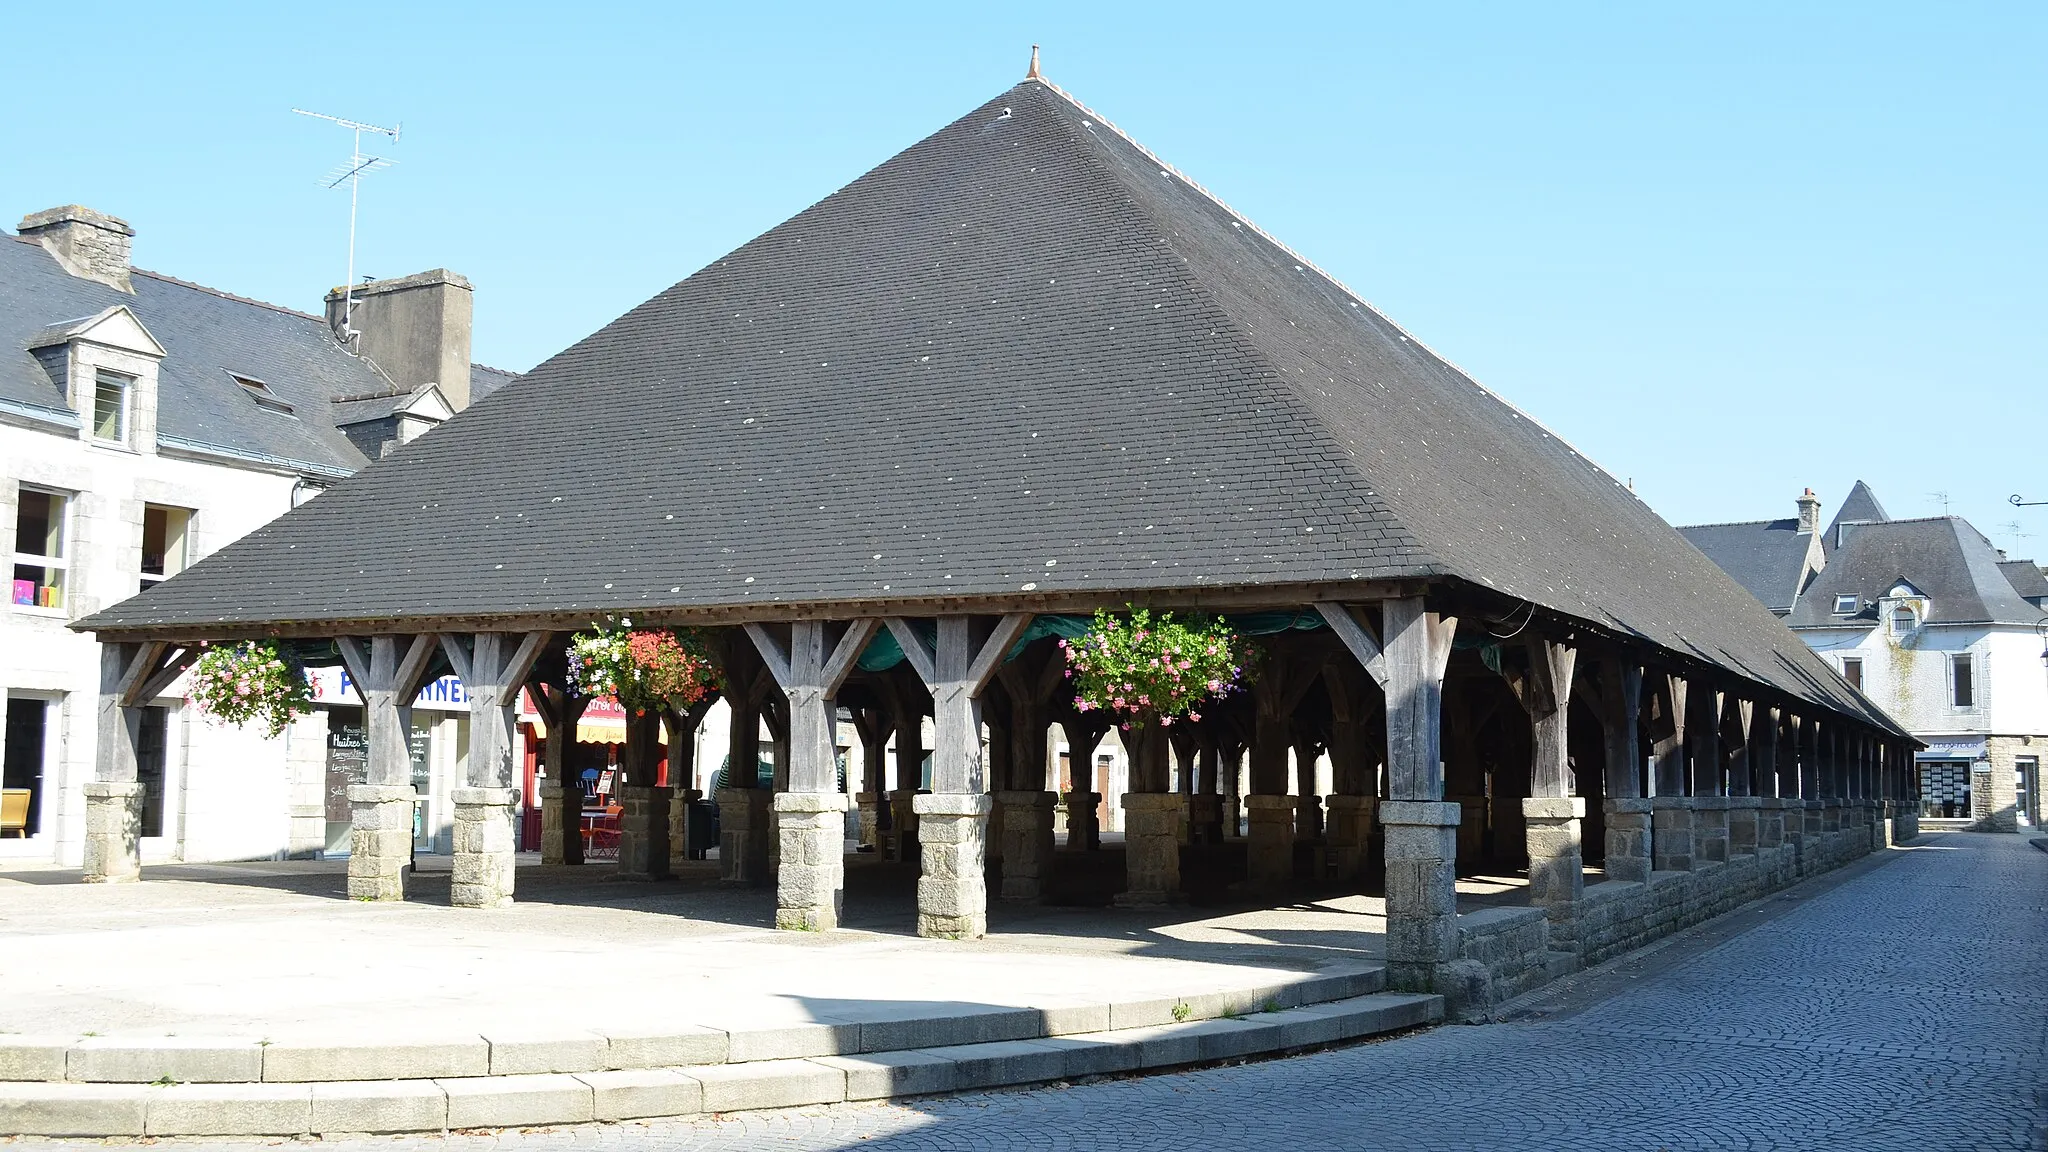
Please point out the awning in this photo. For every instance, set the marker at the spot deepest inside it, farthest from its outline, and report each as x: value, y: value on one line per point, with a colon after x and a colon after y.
x: 603, y: 722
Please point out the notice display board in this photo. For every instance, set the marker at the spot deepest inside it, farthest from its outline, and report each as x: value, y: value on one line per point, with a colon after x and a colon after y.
x: 348, y: 759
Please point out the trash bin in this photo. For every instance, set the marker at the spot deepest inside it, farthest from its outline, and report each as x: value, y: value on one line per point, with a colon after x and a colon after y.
x: 700, y: 828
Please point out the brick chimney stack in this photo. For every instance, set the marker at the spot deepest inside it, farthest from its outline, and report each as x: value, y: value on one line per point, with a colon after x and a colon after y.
x: 1809, y: 512
x: 90, y: 245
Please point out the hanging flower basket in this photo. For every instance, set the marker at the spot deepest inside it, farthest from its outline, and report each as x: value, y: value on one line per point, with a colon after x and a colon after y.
x: 253, y: 682
x: 1139, y: 668
x: 642, y: 668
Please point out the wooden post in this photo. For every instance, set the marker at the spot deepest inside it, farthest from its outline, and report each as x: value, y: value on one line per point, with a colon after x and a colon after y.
x: 491, y: 666
x: 1671, y: 836
x: 1269, y: 846
x: 743, y: 815
x: 387, y: 671
x: 1619, y: 703
x: 682, y: 773
x: 811, y: 883
x: 1709, y: 777
x: 1421, y: 830
x: 113, y: 798
x: 561, y: 798
x: 1355, y: 709
x: 1033, y: 682
x: 873, y: 727
x: 1551, y: 814
x: 952, y: 893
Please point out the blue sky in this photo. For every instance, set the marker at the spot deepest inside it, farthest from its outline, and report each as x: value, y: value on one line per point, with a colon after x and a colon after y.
x: 1727, y: 250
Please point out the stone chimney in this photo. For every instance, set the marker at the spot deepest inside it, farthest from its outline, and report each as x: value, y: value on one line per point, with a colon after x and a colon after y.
x: 415, y: 328
x: 1809, y: 512
x: 90, y: 245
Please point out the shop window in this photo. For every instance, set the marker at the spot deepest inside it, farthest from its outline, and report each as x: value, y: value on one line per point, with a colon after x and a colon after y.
x: 163, y: 543
x: 39, y: 553
x: 150, y: 758
x: 1852, y: 671
x: 1963, y: 681
x: 110, y: 398
x: 21, y: 766
x: 1945, y: 789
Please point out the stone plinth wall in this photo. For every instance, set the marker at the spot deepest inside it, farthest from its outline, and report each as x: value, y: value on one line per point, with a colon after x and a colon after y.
x: 1505, y: 952
x: 1502, y: 953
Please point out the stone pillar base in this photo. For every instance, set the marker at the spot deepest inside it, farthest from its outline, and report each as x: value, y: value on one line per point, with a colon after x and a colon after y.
x: 1205, y: 818
x: 1709, y: 830
x: 952, y: 893
x: 743, y: 835
x: 810, y: 887
x: 870, y: 806
x: 1026, y: 834
x: 484, y: 846
x: 1557, y: 876
x: 643, y: 832
x: 113, y: 832
x: 1830, y: 817
x: 1084, y: 829
x: 679, y: 825
x: 1814, y: 819
x: 1351, y: 828
x: 1770, y: 823
x: 1745, y: 825
x: 1151, y: 849
x: 380, y: 840
x: 1269, y: 841
x: 1422, y: 892
x: 1671, y: 833
x: 903, y: 836
x: 561, y: 824
x: 1308, y: 819
x: 1628, y: 838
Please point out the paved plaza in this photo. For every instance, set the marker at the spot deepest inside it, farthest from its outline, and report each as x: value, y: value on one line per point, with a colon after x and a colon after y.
x: 1901, y: 1003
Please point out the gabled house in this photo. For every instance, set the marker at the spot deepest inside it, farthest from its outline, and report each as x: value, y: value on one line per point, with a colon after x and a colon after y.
x: 146, y: 422
x: 1773, y: 560
x: 1936, y: 626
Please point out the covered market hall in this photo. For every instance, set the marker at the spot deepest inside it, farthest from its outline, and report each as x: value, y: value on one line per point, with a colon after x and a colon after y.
x: 889, y: 454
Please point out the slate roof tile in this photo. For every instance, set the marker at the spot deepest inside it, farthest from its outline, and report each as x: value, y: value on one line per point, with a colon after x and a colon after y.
x: 1023, y: 338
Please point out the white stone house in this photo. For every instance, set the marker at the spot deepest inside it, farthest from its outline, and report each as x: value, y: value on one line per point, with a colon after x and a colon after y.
x: 146, y: 422
x: 1938, y: 627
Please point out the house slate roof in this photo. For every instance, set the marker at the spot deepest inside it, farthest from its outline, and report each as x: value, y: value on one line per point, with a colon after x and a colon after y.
x: 206, y: 335
x: 2027, y: 579
x: 1860, y: 506
x: 1766, y: 557
x: 1022, y: 355
x: 1946, y: 560
x: 484, y: 380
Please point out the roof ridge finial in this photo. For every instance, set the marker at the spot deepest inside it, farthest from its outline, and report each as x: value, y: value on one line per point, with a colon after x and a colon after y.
x: 1033, y: 73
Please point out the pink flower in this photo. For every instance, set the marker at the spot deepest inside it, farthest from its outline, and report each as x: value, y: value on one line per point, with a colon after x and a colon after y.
x: 1119, y: 701
x: 1165, y: 720
x: 1195, y: 716
x: 1145, y: 700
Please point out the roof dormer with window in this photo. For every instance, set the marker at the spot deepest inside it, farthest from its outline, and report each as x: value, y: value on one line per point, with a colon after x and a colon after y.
x: 106, y: 367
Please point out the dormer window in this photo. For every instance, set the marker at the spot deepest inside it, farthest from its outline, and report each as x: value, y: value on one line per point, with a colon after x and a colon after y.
x: 1847, y: 605
x: 1904, y: 620
x: 110, y: 399
x: 261, y: 393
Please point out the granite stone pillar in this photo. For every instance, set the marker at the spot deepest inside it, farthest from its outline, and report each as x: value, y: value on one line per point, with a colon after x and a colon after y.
x: 743, y: 835
x: 810, y: 886
x: 113, y: 831
x: 485, y: 843
x: 1269, y: 840
x: 1352, y: 826
x: 643, y: 832
x: 387, y: 671
x: 1027, y: 843
x: 1151, y: 849
x: 1745, y: 832
x: 1629, y: 838
x: 1671, y: 833
x: 1556, y: 858
x: 952, y: 890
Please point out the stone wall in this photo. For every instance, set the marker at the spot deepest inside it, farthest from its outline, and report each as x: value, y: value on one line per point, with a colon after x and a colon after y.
x: 1505, y: 952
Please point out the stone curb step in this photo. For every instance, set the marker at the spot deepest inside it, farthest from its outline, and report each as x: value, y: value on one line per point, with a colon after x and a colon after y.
x: 513, y: 1052
x: 548, y: 1098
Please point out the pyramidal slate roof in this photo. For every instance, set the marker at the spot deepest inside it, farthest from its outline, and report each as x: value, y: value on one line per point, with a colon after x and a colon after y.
x: 1021, y: 356
x: 1859, y: 507
x: 1943, y: 557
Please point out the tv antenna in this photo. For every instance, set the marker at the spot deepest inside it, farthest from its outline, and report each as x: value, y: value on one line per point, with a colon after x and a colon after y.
x: 352, y: 172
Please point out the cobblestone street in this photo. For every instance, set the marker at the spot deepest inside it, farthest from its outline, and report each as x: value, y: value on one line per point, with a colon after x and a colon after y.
x: 1900, y: 1004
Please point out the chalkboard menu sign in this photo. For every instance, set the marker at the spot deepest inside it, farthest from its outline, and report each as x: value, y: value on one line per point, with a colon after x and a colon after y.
x: 348, y: 759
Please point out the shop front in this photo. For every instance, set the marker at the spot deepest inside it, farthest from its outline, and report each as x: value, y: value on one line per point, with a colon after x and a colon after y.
x: 440, y: 756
